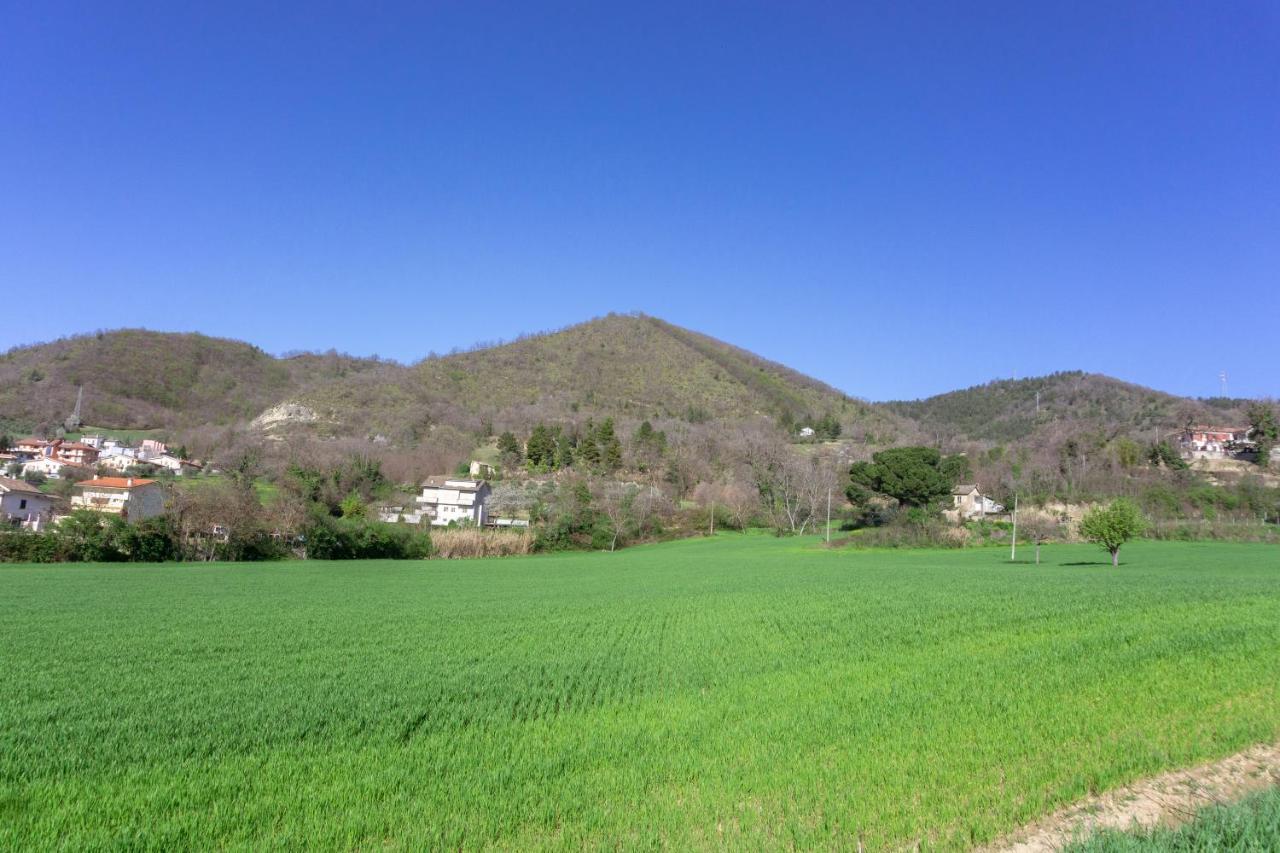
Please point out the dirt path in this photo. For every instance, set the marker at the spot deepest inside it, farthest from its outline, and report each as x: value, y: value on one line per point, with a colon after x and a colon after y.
x: 1168, y: 799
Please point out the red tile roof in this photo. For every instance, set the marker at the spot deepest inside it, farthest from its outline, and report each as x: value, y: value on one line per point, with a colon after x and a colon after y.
x: 116, y: 482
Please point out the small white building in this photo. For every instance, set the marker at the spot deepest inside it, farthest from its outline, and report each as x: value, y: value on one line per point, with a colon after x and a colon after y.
x: 131, y: 498
x: 172, y: 463
x: 446, y: 500
x: 399, y: 515
x: 806, y: 432
x: 23, y: 503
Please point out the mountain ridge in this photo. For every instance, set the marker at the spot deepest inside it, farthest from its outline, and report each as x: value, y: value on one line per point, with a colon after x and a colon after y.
x: 629, y: 366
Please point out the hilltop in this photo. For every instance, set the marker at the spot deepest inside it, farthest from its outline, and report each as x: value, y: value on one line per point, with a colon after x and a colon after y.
x: 1009, y: 410
x: 632, y: 367
x: 139, y: 379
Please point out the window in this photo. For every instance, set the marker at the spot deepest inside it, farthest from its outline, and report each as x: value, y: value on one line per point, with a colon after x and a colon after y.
x: 22, y: 504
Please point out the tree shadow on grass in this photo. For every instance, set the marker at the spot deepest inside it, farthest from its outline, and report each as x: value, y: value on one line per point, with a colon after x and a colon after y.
x: 1088, y: 563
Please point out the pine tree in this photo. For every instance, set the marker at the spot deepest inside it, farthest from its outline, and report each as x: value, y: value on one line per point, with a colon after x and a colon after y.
x: 588, y: 448
x: 509, y: 447
x: 564, y: 452
x: 610, y: 447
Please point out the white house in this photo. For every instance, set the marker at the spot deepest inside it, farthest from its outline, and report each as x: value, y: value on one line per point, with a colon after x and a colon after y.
x: 446, y: 500
x: 806, y: 432
x: 129, y: 497
x: 53, y: 468
x: 117, y: 462
x: 23, y: 503
x: 967, y: 503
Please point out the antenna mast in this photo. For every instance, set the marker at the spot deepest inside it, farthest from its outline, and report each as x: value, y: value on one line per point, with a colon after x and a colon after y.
x: 73, y: 422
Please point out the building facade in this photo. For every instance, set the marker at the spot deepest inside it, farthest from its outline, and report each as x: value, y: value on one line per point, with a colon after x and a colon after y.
x: 446, y: 500
x: 132, y: 498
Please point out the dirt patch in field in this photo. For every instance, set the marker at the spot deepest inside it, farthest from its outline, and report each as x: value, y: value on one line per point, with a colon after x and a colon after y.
x: 1166, y: 800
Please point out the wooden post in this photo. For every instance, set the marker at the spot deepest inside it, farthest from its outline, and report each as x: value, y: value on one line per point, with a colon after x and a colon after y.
x: 828, y: 515
x: 1013, y: 551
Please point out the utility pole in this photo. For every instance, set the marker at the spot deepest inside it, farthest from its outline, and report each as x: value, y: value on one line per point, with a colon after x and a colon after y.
x: 828, y: 515
x: 1013, y: 550
x: 1037, y: 402
x: 1223, y: 377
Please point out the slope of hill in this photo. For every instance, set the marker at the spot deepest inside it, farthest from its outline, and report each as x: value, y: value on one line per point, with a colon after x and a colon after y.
x: 1010, y: 411
x: 137, y: 379
x: 628, y: 367
x: 624, y: 366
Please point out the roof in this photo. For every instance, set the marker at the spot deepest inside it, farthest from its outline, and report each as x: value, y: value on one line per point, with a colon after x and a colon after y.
x: 75, y: 445
x: 459, y: 483
x: 116, y: 482
x: 1202, y: 428
x: 11, y: 485
x: 29, y: 441
x: 963, y: 490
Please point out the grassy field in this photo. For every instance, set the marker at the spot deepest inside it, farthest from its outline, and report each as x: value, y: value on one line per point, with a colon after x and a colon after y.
x: 742, y: 691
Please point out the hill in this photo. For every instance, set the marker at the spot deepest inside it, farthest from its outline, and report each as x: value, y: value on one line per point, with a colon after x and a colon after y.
x: 1009, y: 411
x: 632, y: 367
x: 138, y: 379
x: 627, y: 367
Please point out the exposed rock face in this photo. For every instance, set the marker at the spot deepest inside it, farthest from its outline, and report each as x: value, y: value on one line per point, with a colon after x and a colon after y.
x: 283, y: 415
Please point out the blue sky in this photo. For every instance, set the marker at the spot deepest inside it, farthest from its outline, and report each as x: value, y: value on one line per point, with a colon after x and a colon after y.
x: 900, y: 199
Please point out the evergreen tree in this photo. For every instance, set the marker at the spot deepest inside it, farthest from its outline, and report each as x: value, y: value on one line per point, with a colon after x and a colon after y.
x: 588, y: 448
x: 564, y: 451
x: 541, y: 447
x: 509, y: 447
x: 610, y: 447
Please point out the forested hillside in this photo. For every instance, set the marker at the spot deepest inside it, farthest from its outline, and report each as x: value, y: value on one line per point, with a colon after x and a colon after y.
x: 137, y: 379
x: 1022, y: 410
x: 627, y: 367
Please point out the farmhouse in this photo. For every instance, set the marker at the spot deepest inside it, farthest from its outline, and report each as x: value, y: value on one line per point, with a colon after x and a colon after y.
x: 130, y: 498
x: 172, y: 463
x: 23, y: 503
x: 968, y: 502
x: 445, y: 500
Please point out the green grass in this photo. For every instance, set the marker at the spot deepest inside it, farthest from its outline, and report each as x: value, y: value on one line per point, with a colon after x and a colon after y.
x: 267, y: 491
x: 133, y: 436
x: 744, y: 691
x: 1253, y: 824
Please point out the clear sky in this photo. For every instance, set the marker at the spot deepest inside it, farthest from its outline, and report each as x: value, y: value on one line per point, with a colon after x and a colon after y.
x: 898, y: 198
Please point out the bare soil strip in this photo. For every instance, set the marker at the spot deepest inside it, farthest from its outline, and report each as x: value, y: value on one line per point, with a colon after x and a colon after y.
x: 1166, y: 800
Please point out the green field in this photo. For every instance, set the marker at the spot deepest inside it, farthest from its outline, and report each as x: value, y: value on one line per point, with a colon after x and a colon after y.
x: 741, y: 691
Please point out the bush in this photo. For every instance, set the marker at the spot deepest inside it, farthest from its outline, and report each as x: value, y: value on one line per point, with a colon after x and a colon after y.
x: 360, y: 539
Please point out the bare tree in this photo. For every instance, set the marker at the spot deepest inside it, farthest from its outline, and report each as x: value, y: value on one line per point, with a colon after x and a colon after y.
x: 792, y: 487
x: 615, y: 501
x: 648, y: 502
x: 741, y: 501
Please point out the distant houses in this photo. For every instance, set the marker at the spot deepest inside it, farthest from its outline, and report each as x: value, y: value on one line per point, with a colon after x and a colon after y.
x: 1214, y: 442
